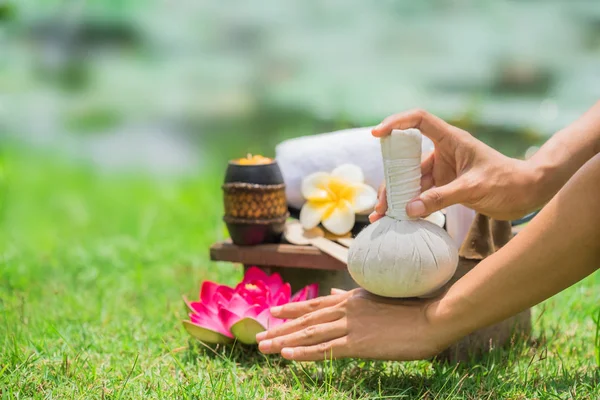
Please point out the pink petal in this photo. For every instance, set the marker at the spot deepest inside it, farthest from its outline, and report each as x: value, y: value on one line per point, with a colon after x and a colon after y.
x: 306, y: 293
x: 300, y: 295
x: 267, y: 320
x: 313, y: 291
x: 255, y: 292
x: 254, y: 286
x: 226, y: 314
x: 201, y: 309
x: 274, y: 282
x: 273, y: 322
x: 212, y: 323
x: 207, y: 292
x: 220, y: 300
x: 225, y: 292
x: 253, y: 311
x: 238, y: 304
x: 283, y: 296
x: 261, y: 307
x: 255, y: 274
x: 228, y: 318
x: 263, y: 318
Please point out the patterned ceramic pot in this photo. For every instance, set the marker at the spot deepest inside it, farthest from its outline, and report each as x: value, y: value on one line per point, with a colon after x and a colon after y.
x: 255, y: 203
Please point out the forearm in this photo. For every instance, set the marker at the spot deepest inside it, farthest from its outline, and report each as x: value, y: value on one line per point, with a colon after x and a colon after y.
x: 561, y: 156
x: 558, y: 248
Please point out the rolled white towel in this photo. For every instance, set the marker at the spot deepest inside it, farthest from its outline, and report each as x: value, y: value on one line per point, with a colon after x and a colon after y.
x: 305, y: 155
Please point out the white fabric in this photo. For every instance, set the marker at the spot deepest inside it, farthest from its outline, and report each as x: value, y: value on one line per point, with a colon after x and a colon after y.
x: 300, y: 157
x: 437, y: 218
x: 394, y: 258
x: 458, y: 222
x: 401, y: 152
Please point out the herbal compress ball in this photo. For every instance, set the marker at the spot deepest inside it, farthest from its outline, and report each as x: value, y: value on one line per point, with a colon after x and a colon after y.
x: 399, y: 256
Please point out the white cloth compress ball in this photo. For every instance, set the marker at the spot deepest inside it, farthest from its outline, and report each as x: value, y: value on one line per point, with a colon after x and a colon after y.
x: 398, y: 256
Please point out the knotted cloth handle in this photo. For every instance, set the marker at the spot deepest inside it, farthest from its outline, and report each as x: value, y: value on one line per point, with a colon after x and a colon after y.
x: 401, y: 152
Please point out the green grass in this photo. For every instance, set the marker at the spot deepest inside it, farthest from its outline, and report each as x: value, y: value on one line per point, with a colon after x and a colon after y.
x: 92, y: 269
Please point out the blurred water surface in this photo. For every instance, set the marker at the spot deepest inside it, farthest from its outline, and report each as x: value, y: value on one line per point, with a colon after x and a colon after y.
x: 168, y: 86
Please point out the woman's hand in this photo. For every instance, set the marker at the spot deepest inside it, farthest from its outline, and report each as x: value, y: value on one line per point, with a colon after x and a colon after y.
x: 356, y: 324
x: 464, y: 170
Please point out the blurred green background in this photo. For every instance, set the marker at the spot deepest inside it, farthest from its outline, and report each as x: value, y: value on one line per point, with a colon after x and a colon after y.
x: 117, y: 119
x: 167, y: 86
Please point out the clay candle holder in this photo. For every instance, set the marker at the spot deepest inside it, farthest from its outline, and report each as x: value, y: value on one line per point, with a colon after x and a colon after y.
x: 255, y: 202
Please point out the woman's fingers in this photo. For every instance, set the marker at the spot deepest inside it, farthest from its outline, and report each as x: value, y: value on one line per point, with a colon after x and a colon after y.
x: 374, y: 216
x: 427, y: 165
x: 381, y: 206
x: 436, y: 199
x: 298, y: 324
x: 334, y: 349
x: 311, y: 335
x: 431, y: 126
x: 295, y: 310
x: 426, y: 182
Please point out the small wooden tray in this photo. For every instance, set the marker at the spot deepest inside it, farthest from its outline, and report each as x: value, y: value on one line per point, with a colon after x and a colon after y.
x: 275, y: 255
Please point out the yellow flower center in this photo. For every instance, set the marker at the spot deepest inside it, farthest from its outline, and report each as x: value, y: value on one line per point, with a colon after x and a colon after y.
x: 337, y: 190
x: 250, y: 286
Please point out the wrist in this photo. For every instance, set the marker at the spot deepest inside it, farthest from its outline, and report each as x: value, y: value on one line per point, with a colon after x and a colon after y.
x: 449, y: 319
x: 569, y: 149
x: 545, y: 178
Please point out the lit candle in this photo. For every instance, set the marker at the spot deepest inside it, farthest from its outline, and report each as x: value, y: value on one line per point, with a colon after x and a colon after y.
x: 253, y: 160
x: 254, y: 200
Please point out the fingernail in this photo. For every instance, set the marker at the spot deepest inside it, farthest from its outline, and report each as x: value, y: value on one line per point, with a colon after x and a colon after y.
x: 265, y: 345
x: 372, y: 216
x: 261, y: 335
x: 287, y: 353
x: 378, y: 127
x: 275, y: 310
x: 415, y: 208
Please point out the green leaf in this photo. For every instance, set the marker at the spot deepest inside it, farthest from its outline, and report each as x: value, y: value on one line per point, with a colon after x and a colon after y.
x: 245, y: 330
x: 205, y: 335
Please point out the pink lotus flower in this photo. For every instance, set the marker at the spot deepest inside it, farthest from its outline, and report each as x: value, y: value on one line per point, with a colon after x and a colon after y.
x: 224, y: 313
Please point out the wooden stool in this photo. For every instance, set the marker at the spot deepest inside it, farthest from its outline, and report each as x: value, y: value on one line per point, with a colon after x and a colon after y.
x: 298, y: 265
x: 302, y: 265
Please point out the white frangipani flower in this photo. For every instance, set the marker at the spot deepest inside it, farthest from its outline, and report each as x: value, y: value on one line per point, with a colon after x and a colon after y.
x: 335, y: 198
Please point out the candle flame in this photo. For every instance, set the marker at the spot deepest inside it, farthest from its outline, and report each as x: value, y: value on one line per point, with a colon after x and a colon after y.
x: 254, y: 160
